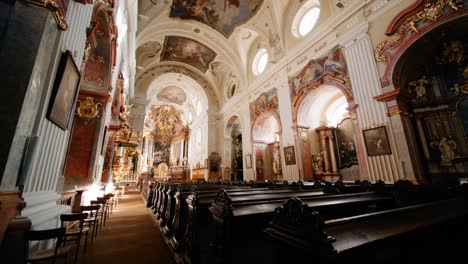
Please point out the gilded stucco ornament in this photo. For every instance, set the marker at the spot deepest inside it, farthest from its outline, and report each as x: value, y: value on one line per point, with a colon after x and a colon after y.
x: 430, y: 12
x: 88, y: 109
x: 54, y: 8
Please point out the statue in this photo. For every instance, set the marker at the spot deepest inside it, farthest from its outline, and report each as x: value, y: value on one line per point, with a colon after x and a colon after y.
x: 124, y: 114
x: 453, y: 52
x: 455, y: 89
x: 420, y: 86
x: 318, y: 163
x: 447, y: 149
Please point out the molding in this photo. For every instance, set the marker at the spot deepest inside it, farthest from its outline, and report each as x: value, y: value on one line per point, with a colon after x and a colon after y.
x: 57, y: 9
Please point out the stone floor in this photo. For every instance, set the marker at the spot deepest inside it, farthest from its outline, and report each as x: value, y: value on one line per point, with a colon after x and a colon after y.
x: 129, y: 236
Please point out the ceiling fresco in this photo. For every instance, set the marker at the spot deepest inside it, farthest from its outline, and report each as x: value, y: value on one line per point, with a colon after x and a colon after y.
x: 172, y: 95
x: 223, y: 16
x: 188, y: 51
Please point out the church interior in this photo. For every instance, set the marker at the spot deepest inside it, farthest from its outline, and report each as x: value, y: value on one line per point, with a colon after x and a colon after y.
x: 233, y: 131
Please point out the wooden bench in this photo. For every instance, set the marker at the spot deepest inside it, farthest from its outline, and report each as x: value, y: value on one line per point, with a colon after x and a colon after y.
x: 239, y: 221
x: 433, y: 231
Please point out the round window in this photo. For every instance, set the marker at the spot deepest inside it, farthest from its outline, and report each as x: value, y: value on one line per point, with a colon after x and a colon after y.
x: 305, y: 18
x: 260, y: 62
x: 308, y: 20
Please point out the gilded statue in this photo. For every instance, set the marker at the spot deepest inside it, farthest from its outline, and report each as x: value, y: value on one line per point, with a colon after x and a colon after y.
x: 318, y: 163
x: 453, y: 52
x: 420, y: 86
x: 447, y: 149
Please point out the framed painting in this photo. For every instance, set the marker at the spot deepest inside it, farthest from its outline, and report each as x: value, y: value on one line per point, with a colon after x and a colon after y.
x: 248, y: 161
x: 289, y: 156
x: 62, y: 100
x: 346, y: 149
x: 376, y: 140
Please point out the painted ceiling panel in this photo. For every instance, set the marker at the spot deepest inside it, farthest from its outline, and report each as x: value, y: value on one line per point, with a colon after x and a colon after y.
x: 172, y: 95
x: 223, y: 16
x: 188, y: 51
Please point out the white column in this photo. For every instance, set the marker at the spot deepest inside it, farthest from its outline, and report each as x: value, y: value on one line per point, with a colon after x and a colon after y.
x: 365, y: 82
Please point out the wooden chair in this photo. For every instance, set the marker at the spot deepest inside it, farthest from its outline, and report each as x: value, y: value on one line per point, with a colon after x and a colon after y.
x: 111, y: 201
x: 49, y: 254
x: 101, y: 212
x: 93, y: 217
x: 75, y: 229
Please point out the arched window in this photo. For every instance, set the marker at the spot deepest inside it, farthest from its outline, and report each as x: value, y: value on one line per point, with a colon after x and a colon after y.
x: 260, y: 61
x: 305, y: 18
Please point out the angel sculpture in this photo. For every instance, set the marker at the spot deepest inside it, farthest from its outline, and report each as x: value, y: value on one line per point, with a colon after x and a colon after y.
x: 420, y: 86
x: 124, y: 114
x: 447, y: 149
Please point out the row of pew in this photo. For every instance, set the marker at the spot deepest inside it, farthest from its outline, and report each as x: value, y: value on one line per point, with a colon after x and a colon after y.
x: 279, y: 222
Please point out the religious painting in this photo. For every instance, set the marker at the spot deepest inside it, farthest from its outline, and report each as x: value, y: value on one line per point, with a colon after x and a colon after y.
x: 265, y: 102
x: 188, y: 51
x: 172, y: 94
x: 289, y: 156
x: 333, y: 64
x: 347, y: 155
x: 222, y: 16
x: 376, y: 140
x: 248, y: 161
x: 62, y: 100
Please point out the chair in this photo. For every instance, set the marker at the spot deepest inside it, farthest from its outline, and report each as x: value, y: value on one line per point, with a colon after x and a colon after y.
x: 104, y: 202
x: 111, y: 201
x: 101, y: 212
x: 75, y: 229
x: 49, y: 254
x: 93, y: 217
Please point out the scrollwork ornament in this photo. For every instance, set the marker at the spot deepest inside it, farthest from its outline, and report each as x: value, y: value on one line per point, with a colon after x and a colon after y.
x: 88, y: 109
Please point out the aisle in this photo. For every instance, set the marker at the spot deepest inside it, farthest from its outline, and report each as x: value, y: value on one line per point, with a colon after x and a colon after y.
x: 129, y: 236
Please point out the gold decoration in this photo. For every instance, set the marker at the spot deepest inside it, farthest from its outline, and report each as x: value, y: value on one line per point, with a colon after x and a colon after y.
x: 54, y: 8
x: 379, y: 56
x: 88, y: 109
x: 447, y: 149
x: 430, y: 12
x: 89, y: 77
x: 420, y: 86
x: 453, y: 52
x: 164, y: 123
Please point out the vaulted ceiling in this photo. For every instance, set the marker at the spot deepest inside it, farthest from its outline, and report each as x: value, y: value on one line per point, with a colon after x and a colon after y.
x: 211, y: 43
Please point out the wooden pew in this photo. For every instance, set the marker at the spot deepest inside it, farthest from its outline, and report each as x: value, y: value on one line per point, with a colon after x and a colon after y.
x: 239, y: 221
x: 198, y: 220
x: 434, y: 231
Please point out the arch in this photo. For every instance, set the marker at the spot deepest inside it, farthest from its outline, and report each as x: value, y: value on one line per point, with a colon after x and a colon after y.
x: 320, y: 98
x: 390, y: 51
x: 210, y: 38
x: 329, y: 81
x: 144, y: 81
x: 434, y: 86
x: 229, y: 122
x: 265, y: 116
x: 265, y: 138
